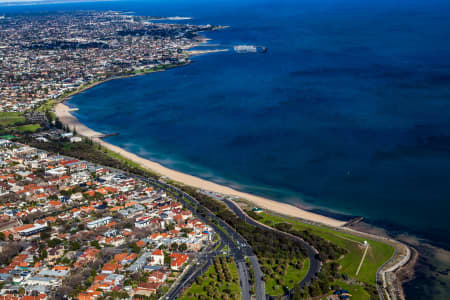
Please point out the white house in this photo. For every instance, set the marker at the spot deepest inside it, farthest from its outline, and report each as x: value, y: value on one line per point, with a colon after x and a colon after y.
x: 99, y: 222
x: 75, y: 139
x: 157, y: 257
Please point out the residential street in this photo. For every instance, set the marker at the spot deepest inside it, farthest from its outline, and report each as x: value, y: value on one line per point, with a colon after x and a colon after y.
x: 239, y: 248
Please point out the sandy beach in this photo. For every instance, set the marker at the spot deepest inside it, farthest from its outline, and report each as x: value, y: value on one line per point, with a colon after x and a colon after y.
x: 63, y: 113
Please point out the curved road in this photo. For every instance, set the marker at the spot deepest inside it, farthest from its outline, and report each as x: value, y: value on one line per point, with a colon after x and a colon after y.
x: 239, y: 247
x: 315, y: 264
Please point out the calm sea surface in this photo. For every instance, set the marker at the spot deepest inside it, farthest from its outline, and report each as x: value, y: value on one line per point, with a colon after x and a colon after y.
x: 348, y: 110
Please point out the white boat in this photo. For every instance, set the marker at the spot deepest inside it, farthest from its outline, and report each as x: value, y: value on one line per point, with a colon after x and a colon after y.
x: 245, y: 48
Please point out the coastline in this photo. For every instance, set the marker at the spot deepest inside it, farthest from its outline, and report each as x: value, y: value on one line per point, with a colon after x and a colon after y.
x: 401, y: 260
x: 63, y: 112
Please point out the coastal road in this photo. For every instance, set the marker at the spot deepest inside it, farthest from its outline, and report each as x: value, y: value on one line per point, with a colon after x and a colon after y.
x: 239, y: 248
x: 260, y: 284
x: 315, y: 263
x: 244, y: 279
x: 188, y: 278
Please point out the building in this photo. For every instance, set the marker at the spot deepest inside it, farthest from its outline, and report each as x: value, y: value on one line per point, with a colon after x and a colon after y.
x: 157, y: 257
x: 33, y: 230
x: 99, y: 222
x: 75, y: 139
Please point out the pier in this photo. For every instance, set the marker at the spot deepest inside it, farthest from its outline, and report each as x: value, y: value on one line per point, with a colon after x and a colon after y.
x: 353, y: 221
x: 101, y: 136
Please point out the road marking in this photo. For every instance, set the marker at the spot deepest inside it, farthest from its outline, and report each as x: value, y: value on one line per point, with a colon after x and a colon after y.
x: 362, y: 259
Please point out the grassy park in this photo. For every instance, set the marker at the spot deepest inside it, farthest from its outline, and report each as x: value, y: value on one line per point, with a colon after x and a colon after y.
x: 291, y: 274
x: 28, y: 128
x: 357, y: 291
x: 11, y: 118
x: 15, y: 122
x: 377, y: 254
x: 220, y: 281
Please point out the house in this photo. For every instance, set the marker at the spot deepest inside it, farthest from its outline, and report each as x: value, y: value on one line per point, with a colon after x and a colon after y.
x: 43, y: 281
x: 89, y: 254
x: 142, y: 222
x: 178, y: 260
x: 146, y: 288
x: 66, y: 135
x: 110, y: 268
x: 75, y: 139
x: 99, y: 222
x: 115, y: 279
x: 34, y: 229
x: 76, y: 197
x: 157, y: 276
x: 178, y: 219
x: 140, y: 244
x: 139, y: 263
x: 157, y: 257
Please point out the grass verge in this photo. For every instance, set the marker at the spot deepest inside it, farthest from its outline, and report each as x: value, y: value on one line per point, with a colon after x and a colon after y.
x: 377, y: 254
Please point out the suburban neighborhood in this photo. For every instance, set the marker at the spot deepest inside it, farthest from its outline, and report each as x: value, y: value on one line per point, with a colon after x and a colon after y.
x: 69, y: 225
x: 82, y: 218
x: 46, y: 56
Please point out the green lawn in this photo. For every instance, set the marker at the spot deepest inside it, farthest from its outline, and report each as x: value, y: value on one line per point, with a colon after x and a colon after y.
x: 10, y: 118
x: 288, y: 280
x: 28, y: 128
x: 304, y: 270
x: 209, y: 280
x: 377, y: 254
x: 358, y: 292
x: 47, y: 106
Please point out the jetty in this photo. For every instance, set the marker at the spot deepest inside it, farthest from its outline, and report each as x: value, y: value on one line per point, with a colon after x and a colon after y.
x: 353, y: 221
x: 101, y: 136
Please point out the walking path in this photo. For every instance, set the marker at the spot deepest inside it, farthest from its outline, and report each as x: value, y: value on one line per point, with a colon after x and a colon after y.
x: 362, y: 259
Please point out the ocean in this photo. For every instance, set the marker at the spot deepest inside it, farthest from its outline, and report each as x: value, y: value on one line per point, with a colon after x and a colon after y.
x: 347, y: 112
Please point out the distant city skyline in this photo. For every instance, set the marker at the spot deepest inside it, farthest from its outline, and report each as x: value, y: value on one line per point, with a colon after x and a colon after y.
x: 32, y: 2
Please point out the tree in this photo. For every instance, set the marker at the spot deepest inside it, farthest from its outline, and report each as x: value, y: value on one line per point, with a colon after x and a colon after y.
x: 95, y: 244
x: 135, y: 248
x: 167, y: 259
x: 42, y: 254
x: 174, y: 246
x: 10, y: 250
x: 21, y: 291
x: 44, y: 235
x: 74, y: 245
x: 53, y: 242
x: 182, y: 247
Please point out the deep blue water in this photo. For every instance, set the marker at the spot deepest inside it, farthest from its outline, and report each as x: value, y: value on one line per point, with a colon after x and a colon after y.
x: 348, y: 110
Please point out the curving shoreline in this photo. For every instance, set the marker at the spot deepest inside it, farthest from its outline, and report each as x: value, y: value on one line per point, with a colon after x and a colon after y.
x: 63, y: 112
x: 397, y: 262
